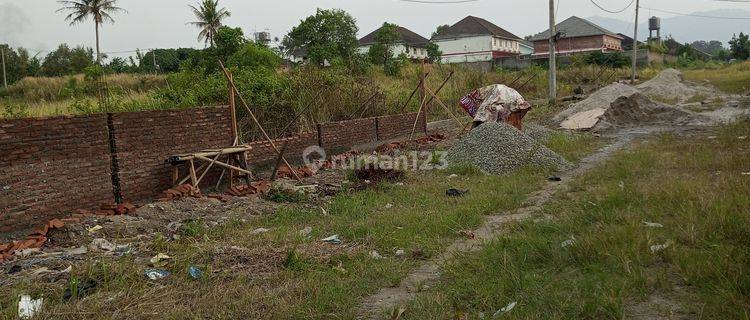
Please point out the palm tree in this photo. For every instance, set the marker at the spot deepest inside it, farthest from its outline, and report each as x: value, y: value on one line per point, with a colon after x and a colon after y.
x: 209, y: 19
x: 99, y: 10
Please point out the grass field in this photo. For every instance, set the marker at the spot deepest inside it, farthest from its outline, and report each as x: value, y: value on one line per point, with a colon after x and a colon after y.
x: 694, y: 187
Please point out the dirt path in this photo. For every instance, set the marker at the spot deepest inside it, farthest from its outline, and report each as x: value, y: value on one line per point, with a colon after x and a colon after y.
x: 426, y: 275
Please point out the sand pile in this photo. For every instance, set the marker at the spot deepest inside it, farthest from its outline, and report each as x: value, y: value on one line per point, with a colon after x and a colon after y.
x: 638, y: 110
x: 670, y: 85
x: 600, y: 99
x: 498, y: 148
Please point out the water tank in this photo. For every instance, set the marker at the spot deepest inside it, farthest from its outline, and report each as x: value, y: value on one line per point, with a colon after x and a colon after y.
x: 654, y: 23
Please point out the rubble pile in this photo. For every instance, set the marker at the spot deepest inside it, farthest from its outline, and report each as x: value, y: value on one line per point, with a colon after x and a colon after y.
x: 498, y: 148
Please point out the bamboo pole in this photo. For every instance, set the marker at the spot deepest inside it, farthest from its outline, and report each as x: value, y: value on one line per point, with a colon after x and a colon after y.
x: 252, y: 115
x: 218, y: 163
x: 414, y: 128
x: 440, y: 102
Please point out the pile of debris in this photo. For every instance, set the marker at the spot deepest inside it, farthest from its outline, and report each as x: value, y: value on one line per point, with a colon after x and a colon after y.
x: 181, y: 191
x: 498, y: 148
x: 390, y: 148
x: 39, y: 236
x: 258, y: 187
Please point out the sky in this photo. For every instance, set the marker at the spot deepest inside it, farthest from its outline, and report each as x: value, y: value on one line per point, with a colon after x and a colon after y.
x: 36, y: 25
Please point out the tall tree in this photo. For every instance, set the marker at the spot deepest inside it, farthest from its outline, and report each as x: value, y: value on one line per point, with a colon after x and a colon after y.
x: 209, y: 17
x: 440, y: 29
x: 386, y: 38
x: 99, y: 10
x: 740, y: 46
x: 327, y: 35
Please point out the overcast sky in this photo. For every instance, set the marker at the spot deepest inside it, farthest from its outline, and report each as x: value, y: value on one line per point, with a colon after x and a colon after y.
x: 162, y: 23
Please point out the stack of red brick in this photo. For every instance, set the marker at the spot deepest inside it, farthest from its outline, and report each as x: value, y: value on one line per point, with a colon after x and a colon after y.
x: 258, y: 187
x: 38, y: 238
x: 181, y: 191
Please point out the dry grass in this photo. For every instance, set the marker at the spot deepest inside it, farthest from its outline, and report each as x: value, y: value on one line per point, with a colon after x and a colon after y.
x: 732, y: 79
x: 41, y: 89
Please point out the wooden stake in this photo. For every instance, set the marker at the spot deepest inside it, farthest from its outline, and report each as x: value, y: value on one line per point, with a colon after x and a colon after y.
x: 233, y: 112
x: 440, y: 102
x: 419, y: 85
x: 414, y: 128
x: 193, y: 178
x: 441, y: 87
x: 252, y: 115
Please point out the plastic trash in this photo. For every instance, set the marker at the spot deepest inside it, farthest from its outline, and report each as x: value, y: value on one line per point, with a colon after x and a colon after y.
x: 568, y: 243
x: 505, y: 309
x: 659, y: 247
x: 28, y: 307
x: 452, y: 192
x: 746, y: 173
x: 375, y: 255
x: 653, y: 224
x: 95, y: 228
x: 156, y: 274
x: 259, y: 231
x: 194, y: 272
x: 621, y: 185
x: 554, y: 178
x: 159, y: 260
x: 334, y: 239
x: 104, y: 245
x: 305, y: 232
x: 388, y: 206
x: 453, y: 176
x: 400, y: 253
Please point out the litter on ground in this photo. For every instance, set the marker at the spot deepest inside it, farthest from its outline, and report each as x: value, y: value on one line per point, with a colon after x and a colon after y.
x: 28, y: 307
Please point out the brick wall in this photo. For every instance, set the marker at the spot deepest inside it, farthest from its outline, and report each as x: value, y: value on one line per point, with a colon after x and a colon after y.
x: 144, y: 140
x: 393, y: 126
x: 347, y: 133
x: 296, y: 144
x: 571, y: 44
x: 49, y: 166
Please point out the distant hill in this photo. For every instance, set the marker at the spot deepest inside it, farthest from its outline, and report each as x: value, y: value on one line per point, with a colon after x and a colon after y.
x: 685, y: 28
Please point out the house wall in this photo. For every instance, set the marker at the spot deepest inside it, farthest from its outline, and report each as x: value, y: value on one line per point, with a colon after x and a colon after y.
x: 477, y: 49
x: 411, y: 52
x: 580, y: 44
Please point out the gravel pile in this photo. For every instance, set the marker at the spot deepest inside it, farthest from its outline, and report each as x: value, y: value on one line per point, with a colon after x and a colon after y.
x: 498, y: 148
x: 670, y: 85
x: 602, y: 98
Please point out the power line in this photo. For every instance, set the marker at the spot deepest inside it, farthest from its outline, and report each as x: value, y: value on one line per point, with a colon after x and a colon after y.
x: 699, y: 15
x: 612, y: 11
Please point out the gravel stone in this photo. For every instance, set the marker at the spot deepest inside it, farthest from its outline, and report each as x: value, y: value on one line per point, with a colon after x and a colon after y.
x: 498, y: 148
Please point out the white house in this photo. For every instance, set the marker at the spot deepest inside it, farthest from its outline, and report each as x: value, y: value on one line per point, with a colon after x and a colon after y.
x: 477, y: 40
x: 411, y: 44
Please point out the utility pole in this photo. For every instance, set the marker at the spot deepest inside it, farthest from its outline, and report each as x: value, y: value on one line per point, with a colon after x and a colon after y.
x: 635, y: 43
x: 5, y: 77
x: 552, y: 54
